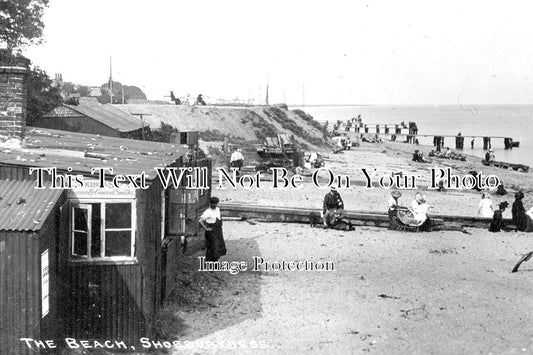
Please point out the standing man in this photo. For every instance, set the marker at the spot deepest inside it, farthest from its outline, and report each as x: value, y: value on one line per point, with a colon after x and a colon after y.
x: 332, y: 208
x: 236, y: 160
x: 472, y: 143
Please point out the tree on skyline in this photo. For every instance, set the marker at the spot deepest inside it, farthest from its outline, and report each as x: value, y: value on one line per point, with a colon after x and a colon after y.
x: 43, y: 97
x: 21, y: 23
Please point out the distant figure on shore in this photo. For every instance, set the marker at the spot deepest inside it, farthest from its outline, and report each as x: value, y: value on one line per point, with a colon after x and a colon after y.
x: 174, y: 99
x: 501, y: 190
x: 200, y: 100
x: 490, y: 157
x: 236, y: 160
x: 419, y: 157
x: 448, y: 153
x: 472, y: 143
x: 485, y: 206
x: 332, y: 208
x: 497, y: 224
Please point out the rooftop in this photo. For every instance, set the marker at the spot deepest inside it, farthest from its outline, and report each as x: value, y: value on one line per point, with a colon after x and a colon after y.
x: 105, y: 114
x: 24, y: 208
x: 81, y: 152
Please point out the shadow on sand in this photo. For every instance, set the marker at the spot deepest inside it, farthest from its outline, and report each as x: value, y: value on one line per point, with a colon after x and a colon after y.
x: 204, y: 302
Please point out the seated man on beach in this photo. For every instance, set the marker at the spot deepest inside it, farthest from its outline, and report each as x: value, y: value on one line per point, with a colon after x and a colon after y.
x: 332, y: 208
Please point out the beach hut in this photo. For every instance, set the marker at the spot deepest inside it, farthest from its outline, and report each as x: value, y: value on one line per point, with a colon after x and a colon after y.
x: 83, y: 223
x: 28, y: 249
x: 109, y: 235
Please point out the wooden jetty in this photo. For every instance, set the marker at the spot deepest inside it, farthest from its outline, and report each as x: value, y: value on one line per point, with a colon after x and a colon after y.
x: 408, y: 132
x: 357, y: 218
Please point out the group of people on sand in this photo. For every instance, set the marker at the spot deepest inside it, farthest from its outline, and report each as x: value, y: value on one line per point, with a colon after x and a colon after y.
x: 419, y: 157
x: 414, y: 216
x: 447, y: 154
x: 522, y: 218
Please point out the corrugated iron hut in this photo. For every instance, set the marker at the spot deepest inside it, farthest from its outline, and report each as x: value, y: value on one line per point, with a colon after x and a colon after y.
x: 99, y: 236
x: 108, y: 237
x: 28, y: 226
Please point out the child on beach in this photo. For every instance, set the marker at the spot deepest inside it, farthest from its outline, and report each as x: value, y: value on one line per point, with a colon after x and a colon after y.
x: 485, y: 206
x: 497, y: 219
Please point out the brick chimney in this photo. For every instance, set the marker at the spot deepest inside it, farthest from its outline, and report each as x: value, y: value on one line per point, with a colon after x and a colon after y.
x: 13, y: 97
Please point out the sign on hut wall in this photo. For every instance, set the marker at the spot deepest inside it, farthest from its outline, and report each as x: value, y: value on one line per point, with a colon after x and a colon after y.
x: 45, y: 284
x: 93, y: 188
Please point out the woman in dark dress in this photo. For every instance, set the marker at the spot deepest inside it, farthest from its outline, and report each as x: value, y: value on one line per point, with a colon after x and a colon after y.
x: 497, y: 219
x: 212, y: 224
x: 521, y: 220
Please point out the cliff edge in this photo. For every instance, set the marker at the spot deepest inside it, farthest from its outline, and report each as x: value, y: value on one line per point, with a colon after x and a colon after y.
x: 235, y: 122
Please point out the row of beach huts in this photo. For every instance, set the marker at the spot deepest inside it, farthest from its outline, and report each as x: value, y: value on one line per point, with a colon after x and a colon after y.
x: 94, y: 260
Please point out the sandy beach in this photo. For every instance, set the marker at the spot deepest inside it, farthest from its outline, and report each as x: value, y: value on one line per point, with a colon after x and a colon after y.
x: 391, y: 292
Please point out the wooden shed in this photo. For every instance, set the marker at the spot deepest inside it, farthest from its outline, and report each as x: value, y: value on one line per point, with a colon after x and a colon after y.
x: 110, y: 265
x: 95, y: 118
x: 28, y: 226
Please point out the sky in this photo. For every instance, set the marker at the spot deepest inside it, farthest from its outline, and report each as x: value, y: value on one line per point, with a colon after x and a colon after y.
x: 309, y: 52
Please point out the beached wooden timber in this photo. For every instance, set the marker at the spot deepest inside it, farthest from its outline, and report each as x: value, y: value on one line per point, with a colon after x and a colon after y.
x: 358, y: 218
x: 504, y: 165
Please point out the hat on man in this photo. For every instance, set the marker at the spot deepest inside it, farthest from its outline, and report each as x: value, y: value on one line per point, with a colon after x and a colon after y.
x: 333, y: 188
x: 214, y: 200
x: 396, y: 194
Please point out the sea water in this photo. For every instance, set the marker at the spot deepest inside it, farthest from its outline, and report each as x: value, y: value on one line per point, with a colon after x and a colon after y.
x: 471, y: 120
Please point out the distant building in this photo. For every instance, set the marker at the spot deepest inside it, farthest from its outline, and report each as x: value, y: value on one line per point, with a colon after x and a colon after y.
x: 95, y: 91
x: 105, y: 120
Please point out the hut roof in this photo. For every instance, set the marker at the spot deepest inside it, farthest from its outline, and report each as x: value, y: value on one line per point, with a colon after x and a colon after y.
x: 105, y: 114
x: 81, y: 152
x: 24, y: 208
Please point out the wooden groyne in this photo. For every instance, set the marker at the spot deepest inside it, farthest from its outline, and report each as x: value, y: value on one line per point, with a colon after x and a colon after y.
x: 357, y: 218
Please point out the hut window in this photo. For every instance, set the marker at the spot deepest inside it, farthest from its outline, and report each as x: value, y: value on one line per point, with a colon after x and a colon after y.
x: 103, y: 230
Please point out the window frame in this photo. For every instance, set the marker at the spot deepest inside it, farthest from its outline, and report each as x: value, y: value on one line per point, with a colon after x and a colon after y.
x: 86, y: 203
